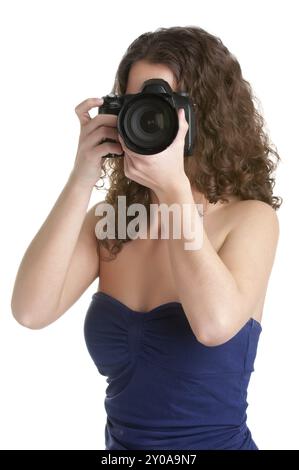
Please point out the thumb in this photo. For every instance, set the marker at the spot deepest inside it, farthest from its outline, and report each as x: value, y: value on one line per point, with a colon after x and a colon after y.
x: 183, y: 125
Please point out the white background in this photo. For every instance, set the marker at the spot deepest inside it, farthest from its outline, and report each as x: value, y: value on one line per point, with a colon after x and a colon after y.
x: 53, y: 56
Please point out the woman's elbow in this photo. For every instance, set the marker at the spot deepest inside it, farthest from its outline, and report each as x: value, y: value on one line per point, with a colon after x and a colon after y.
x: 26, y: 321
x: 26, y: 318
x: 213, y: 334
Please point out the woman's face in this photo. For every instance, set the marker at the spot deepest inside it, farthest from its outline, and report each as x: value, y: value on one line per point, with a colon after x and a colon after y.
x: 142, y: 70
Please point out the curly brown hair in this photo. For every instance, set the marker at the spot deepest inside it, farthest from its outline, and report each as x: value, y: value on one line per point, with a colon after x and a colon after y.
x: 232, y: 150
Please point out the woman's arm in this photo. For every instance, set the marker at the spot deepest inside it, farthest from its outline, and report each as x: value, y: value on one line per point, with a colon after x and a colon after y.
x: 62, y: 260
x: 219, y: 291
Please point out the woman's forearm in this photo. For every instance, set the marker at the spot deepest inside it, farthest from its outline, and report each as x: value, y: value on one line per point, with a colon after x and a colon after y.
x: 40, y: 278
x: 206, y: 288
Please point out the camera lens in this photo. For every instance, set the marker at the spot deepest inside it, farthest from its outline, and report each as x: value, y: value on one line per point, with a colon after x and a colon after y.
x: 151, y: 121
x: 150, y: 124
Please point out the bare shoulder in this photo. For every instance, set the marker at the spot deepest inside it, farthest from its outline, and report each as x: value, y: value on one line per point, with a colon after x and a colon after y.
x: 254, y: 205
x: 254, y: 214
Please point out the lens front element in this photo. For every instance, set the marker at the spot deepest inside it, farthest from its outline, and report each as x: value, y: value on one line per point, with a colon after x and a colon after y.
x: 149, y: 124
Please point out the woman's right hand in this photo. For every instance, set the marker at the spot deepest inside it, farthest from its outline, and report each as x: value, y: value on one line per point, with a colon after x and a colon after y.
x: 91, y: 148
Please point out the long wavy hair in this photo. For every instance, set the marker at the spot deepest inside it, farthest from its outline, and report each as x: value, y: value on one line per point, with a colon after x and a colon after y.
x: 232, y: 154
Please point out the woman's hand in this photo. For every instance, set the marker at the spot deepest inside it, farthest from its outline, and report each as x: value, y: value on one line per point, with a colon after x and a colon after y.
x: 88, y: 163
x: 163, y: 171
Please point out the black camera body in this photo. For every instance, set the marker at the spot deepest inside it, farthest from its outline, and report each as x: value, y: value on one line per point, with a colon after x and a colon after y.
x: 148, y: 121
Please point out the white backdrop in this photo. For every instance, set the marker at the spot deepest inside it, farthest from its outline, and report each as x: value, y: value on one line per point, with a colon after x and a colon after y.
x: 55, y: 54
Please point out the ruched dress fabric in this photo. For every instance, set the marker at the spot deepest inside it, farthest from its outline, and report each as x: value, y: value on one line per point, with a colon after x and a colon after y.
x: 166, y: 390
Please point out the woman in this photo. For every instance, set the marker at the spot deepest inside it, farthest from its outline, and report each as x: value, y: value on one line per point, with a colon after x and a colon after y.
x: 174, y: 330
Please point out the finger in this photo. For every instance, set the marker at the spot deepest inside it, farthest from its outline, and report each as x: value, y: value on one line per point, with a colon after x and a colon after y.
x: 183, y: 125
x: 128, y: 167
x: 102, y: 133
x: 109, y: 120
x: 82, y: 109
x: 107, y: 147
x: 122, y: 143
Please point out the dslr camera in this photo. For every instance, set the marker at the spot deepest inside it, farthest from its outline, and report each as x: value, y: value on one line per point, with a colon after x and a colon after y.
x: 148, y: 121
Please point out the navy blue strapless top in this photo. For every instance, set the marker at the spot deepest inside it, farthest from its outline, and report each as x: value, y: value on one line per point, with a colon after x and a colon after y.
x: 166, y: 390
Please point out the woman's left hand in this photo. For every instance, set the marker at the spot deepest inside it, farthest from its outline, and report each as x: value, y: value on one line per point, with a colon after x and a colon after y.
x: 163, y: 171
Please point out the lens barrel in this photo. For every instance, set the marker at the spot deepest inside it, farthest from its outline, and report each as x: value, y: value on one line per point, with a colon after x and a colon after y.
x: 148, y: 123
